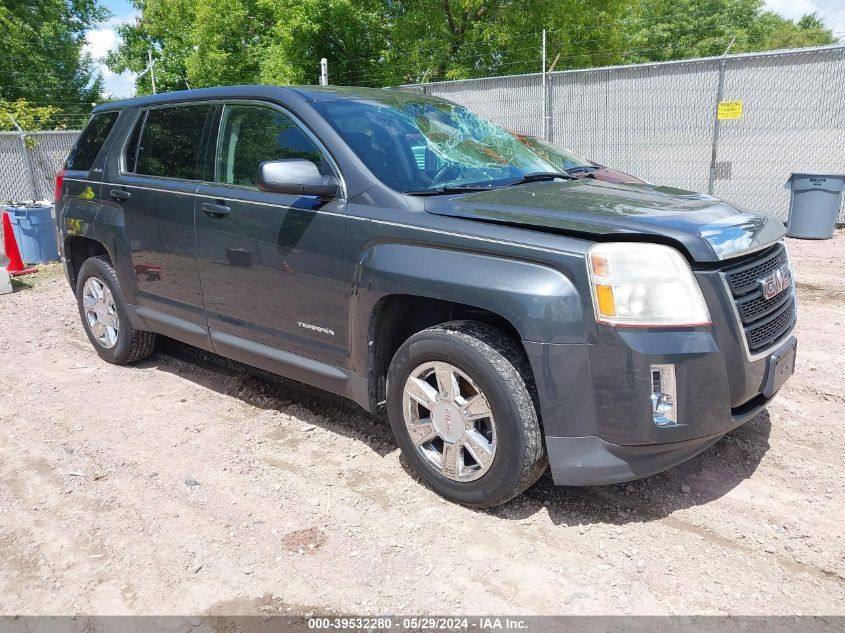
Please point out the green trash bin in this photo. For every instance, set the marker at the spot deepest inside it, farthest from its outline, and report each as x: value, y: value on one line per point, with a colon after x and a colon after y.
x: 816, y: 199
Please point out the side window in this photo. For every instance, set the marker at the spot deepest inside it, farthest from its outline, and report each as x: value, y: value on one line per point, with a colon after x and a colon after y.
x: 252, y: 134
x: 167, y: 142
x: 90, y: 142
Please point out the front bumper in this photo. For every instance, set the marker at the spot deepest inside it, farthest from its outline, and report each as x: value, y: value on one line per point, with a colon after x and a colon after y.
x: 590, y: 461
x: 596, y: 408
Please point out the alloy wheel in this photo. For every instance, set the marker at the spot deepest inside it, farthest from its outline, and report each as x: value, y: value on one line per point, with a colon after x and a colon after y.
x: 449, y: 421
x: 100, y: 312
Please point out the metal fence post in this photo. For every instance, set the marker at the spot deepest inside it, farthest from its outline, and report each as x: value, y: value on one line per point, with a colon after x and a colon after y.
x: 545, y: 91
x: 720, y: 94
x: 27, y: 158
x: 324, y: 72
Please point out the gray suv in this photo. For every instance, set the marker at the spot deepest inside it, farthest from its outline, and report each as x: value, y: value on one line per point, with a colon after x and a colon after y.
x: 409, y: 255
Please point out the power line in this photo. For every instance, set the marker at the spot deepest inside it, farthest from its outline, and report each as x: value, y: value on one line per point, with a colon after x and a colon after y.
x: 424, y: 67
x: 622, y: 54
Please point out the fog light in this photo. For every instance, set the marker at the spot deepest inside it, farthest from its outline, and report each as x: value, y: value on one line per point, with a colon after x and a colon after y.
x: 663, y: 395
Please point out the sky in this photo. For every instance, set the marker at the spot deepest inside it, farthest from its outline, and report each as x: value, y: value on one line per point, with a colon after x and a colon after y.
x: 103, y: 38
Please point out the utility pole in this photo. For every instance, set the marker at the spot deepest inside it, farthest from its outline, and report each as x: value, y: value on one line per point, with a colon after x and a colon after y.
x: 152, y: 69
x: 324, y: 72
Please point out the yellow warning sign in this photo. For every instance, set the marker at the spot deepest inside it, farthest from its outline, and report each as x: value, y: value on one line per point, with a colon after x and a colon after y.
x: 729, y: 110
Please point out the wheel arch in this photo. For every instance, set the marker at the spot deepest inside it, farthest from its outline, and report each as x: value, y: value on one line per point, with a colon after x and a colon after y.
x: 397, y: 317
x: 401, y: 289
x: 77, y: 249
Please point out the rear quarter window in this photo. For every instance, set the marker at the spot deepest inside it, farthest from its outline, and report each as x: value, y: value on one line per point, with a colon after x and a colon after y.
x: 91, y: 141
x: 167, y: 142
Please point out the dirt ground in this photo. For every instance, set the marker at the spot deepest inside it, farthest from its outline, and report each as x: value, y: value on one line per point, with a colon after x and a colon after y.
x: 184, y: 486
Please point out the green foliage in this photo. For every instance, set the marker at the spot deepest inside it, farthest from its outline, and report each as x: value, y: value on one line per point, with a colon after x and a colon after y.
x: 42, y: 62
x: 773, y: 32
x: 30, y: 117
x: 454, y: 39
x: 350, y: 33
x: 387, y: 42
x: 164, y: 27
x: 703, y: 28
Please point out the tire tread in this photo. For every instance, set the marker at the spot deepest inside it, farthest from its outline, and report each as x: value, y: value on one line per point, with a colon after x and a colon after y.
x: 140, y: 344
x: 507, y: 359
x: 515, y: 371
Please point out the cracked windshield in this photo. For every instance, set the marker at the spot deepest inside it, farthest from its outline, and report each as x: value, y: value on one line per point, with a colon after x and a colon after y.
x: 421, y: 146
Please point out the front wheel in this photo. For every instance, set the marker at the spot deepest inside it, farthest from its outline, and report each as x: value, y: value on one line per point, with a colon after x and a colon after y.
x: 462, y: 414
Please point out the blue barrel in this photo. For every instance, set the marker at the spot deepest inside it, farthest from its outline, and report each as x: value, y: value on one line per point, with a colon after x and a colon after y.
x: 35, y: 233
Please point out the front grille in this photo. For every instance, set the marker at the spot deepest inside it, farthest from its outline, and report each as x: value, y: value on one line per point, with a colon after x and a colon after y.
x: 764, y: 321
x: 754, y: 306
x: 764, y: 334
x: 743, y: 278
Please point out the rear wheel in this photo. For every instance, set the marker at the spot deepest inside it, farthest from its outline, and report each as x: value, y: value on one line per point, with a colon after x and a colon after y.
x: 461, y: 411
x: 104, y: 317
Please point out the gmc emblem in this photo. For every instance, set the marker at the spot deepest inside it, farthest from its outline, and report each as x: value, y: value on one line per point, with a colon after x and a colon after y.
x: 776, y: 283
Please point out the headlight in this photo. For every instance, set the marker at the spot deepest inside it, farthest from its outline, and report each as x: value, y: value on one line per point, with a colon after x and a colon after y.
x: 644, y: 284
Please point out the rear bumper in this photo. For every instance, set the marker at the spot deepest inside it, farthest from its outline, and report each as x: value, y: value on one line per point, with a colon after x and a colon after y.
x: 590, y: 461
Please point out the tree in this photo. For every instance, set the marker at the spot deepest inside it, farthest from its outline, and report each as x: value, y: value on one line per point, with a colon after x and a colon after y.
x: 42, y: 61
x: 773, y: 32
x: 666, y: 29
x: 351, y: 33
x: 30, y: 117
x: 213, y: 42
x: 389, y: 42
x: 433, y: 40
x: 163, y: 28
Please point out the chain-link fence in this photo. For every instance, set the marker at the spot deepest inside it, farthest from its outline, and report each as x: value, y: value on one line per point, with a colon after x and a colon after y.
x: 29, y: 162
x: 658, y: 121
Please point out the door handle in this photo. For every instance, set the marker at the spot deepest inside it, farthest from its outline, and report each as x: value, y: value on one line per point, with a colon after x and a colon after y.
x: 120, y: 195
x: 215, y: 210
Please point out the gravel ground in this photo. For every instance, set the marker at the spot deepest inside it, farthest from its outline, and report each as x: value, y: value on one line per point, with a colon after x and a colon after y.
x: 185, y: 485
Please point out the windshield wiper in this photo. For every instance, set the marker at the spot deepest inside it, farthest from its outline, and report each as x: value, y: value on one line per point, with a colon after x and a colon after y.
x: 581, y: 169
x: 539, y: 177
x: 448, y: 189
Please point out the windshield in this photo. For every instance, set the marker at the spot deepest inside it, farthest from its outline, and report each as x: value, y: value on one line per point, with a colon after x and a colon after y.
x: 560, y: 158
x: 418, y: 145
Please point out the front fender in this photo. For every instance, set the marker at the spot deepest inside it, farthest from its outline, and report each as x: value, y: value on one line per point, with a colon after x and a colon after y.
x: 541, y: 302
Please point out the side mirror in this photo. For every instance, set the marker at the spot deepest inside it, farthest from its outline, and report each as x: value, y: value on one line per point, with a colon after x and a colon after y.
x: 295, y: 176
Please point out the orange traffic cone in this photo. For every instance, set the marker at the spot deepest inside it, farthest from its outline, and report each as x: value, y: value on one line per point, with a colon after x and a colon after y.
x: 15, y: 266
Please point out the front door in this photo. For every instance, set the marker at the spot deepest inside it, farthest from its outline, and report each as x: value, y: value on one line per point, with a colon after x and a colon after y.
x: 270, y: 263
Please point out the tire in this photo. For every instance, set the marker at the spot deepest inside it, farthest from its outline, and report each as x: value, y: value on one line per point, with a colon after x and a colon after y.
x: 486, y: 362
x: 124, y: 344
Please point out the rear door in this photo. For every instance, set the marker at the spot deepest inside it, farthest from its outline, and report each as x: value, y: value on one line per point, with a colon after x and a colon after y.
x: 270, y: 263
x: 155, y: 188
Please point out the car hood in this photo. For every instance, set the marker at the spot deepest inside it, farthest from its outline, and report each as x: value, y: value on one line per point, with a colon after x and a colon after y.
x: 707, y: 228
